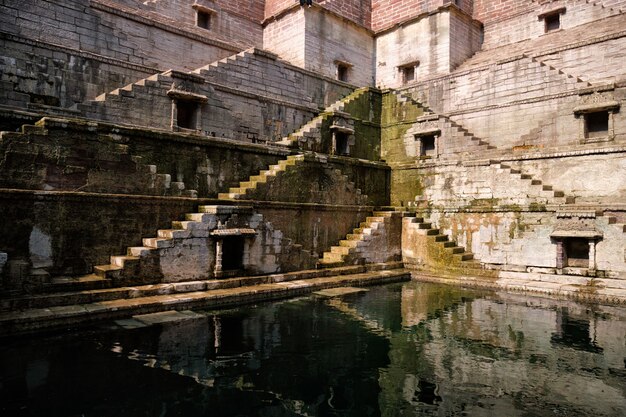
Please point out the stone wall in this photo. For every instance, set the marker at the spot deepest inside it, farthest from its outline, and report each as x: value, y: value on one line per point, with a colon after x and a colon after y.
x: 523, y: 20
x: 329, y: 41
x: 358, y: 11
x: 69, y: 233
x: 239, y: 21
x: 318, y: 40
x: 92, y: 157
x: 80, y: 49
x: 432, y: 45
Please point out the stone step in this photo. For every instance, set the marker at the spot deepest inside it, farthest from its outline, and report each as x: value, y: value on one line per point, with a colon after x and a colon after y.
x: 228, y: 196
x: 332, y: 257
x: 342, y: 250
x: 173, y: 233
x: 107, y: 271
x: 104, y: 305
x: 157, y: 242
x: 464, y: 256
x: 124, y: 260
x: 139, y: 250
x: 456, y: 249
x: 350, y: 243
x: 440, y: 238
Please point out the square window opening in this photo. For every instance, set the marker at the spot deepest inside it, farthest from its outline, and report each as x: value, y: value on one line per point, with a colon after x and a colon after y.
x: 577, y: 252
x: 203, y: 20
x: 342, y: 72
x: 427, y: 145
x: 186, y: 114
x: 597, y: 124
x: 408, y: 74
x: 553, y: 22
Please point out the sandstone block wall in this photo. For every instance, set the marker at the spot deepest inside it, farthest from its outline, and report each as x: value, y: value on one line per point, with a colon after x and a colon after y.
x: 317, y: 40
x: 238, y: 21
x: 80, y: 49
x: 506, y: 24
x: 432, y: 45
x: 329, y: 41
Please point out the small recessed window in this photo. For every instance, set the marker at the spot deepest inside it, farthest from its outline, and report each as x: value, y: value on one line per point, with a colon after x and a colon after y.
x: 426, y: 145
x: 553, y: 22
x: 203, y: 19
x: 342, y: 72
x: 597, y: 124
x: 407, y: 72
x: 186, y: 114
x: 577, y: 252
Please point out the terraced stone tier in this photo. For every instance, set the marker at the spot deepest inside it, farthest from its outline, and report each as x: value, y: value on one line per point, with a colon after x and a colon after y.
x: 27, y: 315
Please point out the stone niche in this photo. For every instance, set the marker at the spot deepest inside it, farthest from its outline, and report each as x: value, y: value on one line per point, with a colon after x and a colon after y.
x: 576, y: 236
x: 342, y: 134
x: 595, y: 113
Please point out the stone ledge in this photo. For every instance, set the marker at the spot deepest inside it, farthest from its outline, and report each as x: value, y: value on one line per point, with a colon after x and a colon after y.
x: 525, y: 283
x: 33, y: 320
x: 38, y: 195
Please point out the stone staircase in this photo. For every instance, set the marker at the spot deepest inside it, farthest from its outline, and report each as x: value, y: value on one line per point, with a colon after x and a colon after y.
x: 264, y: 176
x: 160, y: 80
x: 469, y: 142
x: 359, y: 247
x: 141, y: 263
x: 311, y: 131
x: 537, y: 186
x: 579, y: 82
x: 442, y: 250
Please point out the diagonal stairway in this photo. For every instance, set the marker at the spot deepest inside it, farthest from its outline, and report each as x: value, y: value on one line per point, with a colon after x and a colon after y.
x: 452, y: 129
x: 441, y: 249
x: 537, y: 186
x: 264, y: 176
x: 358, y: 246
x: 140, y: 263
x: 311, y: 130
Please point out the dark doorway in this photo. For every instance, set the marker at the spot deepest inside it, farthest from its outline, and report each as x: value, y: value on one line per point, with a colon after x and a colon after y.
x: 232, y: 253
x: 427, y: 145
x: 186, y: 114
x: 341, y: 143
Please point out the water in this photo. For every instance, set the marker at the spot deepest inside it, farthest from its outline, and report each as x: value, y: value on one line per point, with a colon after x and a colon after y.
x: 407, y: 349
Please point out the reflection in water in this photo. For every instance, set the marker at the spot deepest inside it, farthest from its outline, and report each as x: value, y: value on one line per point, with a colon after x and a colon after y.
x: 400, y: 350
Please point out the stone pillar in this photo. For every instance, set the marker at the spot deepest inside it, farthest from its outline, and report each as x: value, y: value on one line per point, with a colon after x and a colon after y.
x: 592, y: 257
x: 560, y: 254
x: 173, y: 122
x: 218, y: 256
x: 245, y: 261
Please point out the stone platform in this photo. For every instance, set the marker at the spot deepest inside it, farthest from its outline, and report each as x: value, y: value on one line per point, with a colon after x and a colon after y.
x: 70, y: 309
x: 572, y: 287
